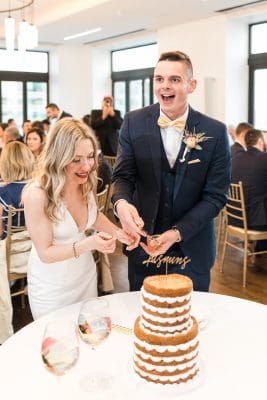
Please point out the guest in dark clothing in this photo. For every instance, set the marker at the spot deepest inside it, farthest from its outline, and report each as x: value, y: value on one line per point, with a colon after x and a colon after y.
x: 239, y: 144
x: 250, y: 167
x: 53, y: 112
x: 106, y: 123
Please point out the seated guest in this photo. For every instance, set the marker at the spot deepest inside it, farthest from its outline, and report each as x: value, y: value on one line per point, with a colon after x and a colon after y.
x: 11, y: 122
x: 250, y: 167
x: 16, y: 166
x: 10, y: 134
x: 35, y: 141
x: 37, y: 124
x: 54, y: 113
x: 26, y: 126
x: 239, y: 144
x: 46, y: 125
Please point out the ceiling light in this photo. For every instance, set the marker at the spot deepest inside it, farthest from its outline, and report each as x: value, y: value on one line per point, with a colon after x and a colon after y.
x: 28, y: 34
x: 82, y: 34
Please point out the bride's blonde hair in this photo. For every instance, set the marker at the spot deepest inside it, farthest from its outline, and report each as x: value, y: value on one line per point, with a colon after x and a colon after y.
x: 58, y: 152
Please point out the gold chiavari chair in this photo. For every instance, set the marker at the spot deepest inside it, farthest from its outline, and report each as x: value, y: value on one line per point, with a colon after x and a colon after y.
x: 18, y: 245
x: 235, y: 213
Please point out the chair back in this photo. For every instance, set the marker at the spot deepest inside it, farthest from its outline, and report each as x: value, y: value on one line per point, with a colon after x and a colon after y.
x: 102, y: 199
x: 235, y: 210
x: 18, y: 245
x: 111, y: 160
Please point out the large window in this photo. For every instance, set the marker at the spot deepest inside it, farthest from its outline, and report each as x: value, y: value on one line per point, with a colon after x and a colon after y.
x: 132, y: 77
x: 23, y: 85
x: 258, y: 75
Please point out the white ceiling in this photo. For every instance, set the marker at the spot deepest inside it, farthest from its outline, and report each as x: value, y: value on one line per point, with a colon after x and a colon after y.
x: 59, y: 18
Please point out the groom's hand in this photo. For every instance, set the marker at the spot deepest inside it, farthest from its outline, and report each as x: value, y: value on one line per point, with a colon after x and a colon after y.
x: 162, y: 243
x: 131, y: 222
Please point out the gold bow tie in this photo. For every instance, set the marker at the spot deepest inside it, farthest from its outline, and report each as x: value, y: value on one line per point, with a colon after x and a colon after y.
x: 178, y: 124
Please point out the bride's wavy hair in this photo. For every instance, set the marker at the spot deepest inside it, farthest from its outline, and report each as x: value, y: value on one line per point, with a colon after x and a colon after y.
x: 59, y: 152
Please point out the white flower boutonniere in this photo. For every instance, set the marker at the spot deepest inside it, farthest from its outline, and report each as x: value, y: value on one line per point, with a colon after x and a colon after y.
x: 192, y: 140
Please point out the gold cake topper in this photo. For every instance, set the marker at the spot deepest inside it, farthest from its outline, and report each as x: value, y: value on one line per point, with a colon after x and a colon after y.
x: 162, y: 259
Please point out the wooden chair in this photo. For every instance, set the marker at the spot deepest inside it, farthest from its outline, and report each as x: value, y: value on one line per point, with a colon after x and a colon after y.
x: 18, y: 245
x: 105, y: 283
x: 220, y: 230
x: 102, y: 200
x: 235, y: 212
x: 111, y: 160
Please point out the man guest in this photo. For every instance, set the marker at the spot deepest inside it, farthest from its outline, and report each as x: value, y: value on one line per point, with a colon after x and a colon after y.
x: 239, y: 144
x: 171, y: 178
x: 250, y: 167
x: 106, y: 123
x: 54, y: 113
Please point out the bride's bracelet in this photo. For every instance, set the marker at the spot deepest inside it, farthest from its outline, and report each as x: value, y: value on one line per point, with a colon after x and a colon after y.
x: 76, y: 255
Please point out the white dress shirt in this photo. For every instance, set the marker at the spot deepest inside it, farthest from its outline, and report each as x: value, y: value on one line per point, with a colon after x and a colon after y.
x: 172, y: 139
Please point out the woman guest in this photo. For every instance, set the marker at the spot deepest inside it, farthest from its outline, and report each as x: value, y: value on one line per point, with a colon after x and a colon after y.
x: 16, y: 166
x: 35, y: 141
x: 59, y: 208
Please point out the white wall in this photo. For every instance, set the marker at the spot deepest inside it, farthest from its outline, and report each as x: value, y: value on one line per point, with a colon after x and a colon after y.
x: 70, y: 78
x: 204, y: 42
x: 236, y: 72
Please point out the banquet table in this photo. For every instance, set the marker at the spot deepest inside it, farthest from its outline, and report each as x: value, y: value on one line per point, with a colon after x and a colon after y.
x: 233, y: 352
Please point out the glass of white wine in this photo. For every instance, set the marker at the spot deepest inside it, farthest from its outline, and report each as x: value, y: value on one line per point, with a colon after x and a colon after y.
x: 60, y: 346
x: 94, y: 321
x: 94, y: 327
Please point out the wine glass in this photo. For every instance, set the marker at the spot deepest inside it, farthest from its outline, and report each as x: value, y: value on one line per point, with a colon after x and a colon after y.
x: 94, y: 321
x: 94, y: 327
x: 60, y: 346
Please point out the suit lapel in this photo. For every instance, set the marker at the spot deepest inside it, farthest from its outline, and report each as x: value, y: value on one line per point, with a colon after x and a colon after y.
x: 191, y: 123
x: 153, y: 134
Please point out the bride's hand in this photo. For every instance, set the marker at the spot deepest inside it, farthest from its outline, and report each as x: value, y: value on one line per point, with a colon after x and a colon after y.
x: 103, y: 242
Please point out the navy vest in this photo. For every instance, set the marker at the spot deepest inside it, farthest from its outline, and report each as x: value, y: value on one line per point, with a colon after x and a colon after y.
x: 164, y: 220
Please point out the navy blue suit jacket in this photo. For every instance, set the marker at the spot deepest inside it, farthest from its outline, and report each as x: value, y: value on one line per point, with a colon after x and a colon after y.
x: 250, y: 167
x: 200, y: 187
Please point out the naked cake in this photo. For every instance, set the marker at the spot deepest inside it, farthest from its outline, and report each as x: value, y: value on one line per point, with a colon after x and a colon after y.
x: 166, y: 335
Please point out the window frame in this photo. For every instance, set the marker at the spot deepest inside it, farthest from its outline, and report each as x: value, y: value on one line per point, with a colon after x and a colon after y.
x: 24, y: 77
x: 130, y: 75
x: 255, y: 62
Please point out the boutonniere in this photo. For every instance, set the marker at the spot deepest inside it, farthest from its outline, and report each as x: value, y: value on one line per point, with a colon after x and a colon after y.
x: 192, y: 140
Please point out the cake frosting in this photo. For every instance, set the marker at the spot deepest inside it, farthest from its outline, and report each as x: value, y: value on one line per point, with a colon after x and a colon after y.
x: 166, y: 335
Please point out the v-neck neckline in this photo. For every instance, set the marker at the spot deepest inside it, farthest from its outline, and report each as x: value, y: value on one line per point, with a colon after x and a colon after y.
x: 75, y: 223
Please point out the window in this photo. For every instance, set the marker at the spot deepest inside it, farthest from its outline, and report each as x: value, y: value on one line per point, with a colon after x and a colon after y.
x: 132, y: 77
x: 23, y: 85
x: 258, y: 75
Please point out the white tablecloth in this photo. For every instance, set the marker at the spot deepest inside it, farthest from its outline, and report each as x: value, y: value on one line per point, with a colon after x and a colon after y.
x: 233, y: 348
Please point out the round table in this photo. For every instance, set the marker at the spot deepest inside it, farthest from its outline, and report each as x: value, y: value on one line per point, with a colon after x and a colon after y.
x: 233, y: 350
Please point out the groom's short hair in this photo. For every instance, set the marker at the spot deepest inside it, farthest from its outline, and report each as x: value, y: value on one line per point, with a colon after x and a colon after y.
x: 177, y: 56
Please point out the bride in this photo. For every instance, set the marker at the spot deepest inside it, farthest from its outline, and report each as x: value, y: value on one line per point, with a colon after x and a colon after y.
x: 60, y: 206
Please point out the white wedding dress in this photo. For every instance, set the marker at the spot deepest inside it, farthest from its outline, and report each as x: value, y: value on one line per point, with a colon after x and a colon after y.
x: 55, y: 285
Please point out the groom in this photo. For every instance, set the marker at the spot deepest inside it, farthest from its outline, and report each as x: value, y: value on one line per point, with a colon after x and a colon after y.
x: 171, y: 179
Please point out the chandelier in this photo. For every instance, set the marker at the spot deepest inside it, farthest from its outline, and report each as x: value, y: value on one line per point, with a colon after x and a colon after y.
x: 27, y: 33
